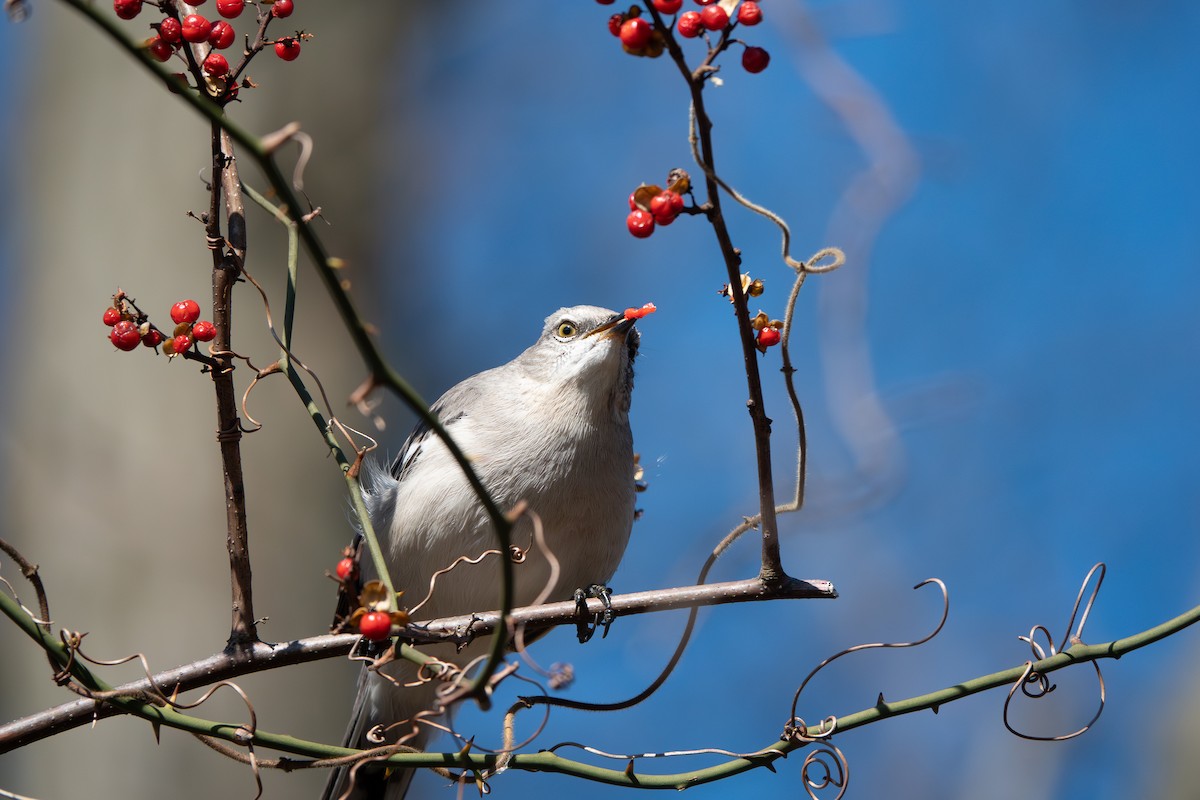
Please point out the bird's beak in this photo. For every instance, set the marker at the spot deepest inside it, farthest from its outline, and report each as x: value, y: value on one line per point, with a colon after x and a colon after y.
x: 618, y: 326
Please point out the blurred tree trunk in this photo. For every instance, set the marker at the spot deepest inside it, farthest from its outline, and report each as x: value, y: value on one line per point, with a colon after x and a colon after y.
x: 111, y: 476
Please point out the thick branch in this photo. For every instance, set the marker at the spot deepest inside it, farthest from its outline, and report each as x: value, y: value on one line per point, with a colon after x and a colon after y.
x: 257, y: 657
x: 551, y: 762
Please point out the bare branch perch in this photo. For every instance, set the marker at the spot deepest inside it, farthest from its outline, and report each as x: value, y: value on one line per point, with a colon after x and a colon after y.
x: 258, y: 657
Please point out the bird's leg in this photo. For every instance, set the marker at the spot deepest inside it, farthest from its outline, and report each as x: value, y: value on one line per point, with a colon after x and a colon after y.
x: 585, y: 628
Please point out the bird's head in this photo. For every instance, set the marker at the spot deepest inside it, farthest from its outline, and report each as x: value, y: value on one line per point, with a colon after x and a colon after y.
x: 586, y: 349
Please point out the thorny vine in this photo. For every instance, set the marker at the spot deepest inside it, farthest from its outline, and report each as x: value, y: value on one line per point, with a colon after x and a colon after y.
x: 825, y: 766
x: 65, y: 654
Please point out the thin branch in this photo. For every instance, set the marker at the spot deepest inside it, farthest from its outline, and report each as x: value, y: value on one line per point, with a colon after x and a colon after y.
x: 226, y: 270
x: 771, y: 571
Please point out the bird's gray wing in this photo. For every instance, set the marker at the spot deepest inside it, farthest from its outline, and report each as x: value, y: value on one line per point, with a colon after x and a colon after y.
x: 454, y: 405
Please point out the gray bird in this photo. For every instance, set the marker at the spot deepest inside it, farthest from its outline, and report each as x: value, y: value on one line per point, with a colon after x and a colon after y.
x: 550, y: 428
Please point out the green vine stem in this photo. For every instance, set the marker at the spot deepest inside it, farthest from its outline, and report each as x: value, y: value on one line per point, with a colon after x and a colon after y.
x: 551, y: 762
x: 287, y: 365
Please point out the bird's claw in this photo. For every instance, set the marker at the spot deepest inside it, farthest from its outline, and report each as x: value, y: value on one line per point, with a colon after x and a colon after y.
x: 585, y: 627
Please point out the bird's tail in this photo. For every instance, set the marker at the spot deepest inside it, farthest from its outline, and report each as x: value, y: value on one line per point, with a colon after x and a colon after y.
x: 376, y: 783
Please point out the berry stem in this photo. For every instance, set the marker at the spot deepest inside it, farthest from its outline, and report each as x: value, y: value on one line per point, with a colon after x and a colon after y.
x: 253, y: 46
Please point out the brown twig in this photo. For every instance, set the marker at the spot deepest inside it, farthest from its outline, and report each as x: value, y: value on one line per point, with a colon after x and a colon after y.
x: 226, y: 269
x: 771, y: 570
x: 29, y: 571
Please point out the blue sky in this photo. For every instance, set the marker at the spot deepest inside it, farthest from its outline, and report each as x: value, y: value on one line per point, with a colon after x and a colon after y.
x: 1031, y: 328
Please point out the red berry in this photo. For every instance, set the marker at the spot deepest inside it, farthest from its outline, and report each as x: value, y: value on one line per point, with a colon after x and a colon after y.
x: 660, y: 208
x: 169, y: 30
x: 605, y: 2
x: 705, y: 2
x: 159, y: 49
x: 181, y: 343
x: 215, y: 64
x: 636, y: 33
x: 749, y: 13
x: 345, y: 568
x: 195, y: 29
x: 714, y: 17
x: 375, y: 625
x: 640, y: 223
x: 767, y: 337
x: 111, y: 316
x: 667, y: 6
x: 755, y: 59
x: 689, y: 24
x: 152, y: 337
x: 666, y: 207
x: 124, y: 335
x: 127, y: 9
x: 638, y: 313
x: 185, y: 311
x: 204, y: 331
x: 287, y: 49
x: 614, y: 24
x: 282, y: 8
x: 230, y: 9
x: 222, y: 35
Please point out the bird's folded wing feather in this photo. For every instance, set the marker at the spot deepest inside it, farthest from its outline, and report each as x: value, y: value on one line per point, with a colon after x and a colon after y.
x: 451, y: 407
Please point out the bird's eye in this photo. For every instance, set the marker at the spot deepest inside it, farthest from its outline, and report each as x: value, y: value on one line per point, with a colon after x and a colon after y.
x: 566, y: 330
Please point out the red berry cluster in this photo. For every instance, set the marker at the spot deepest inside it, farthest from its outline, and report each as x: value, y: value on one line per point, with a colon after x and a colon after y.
x: 189, y: 328
x: 637, y: 34
x: 715, y: 17
x: 650, y: 206
x: 173, y: 32
x: 640, y: 38
x: 130, y: 326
